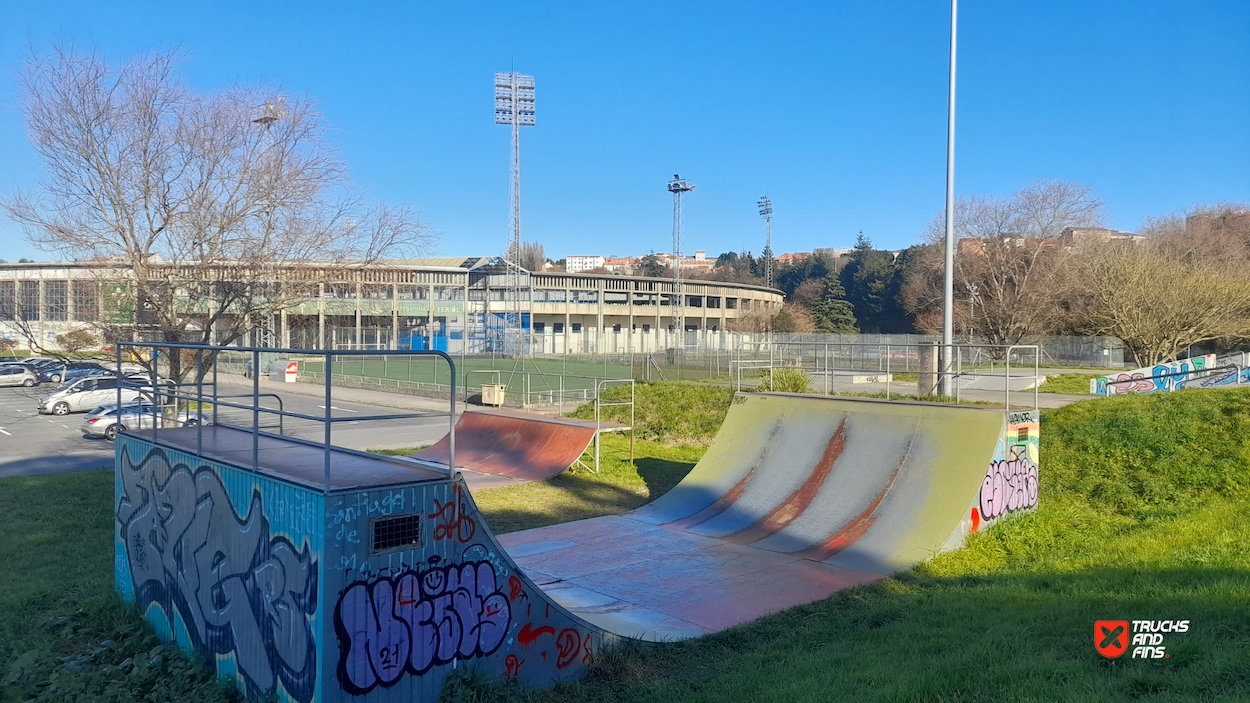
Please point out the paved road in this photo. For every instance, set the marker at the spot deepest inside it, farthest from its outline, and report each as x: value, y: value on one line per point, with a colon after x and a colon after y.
x: 31, y: 443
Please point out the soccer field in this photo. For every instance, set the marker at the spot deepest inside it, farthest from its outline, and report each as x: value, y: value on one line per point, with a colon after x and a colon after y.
x: 541, y: 375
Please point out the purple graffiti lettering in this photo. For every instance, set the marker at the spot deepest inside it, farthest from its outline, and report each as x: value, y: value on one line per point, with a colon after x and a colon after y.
x: 1008, y: 486
x: 416, y: 620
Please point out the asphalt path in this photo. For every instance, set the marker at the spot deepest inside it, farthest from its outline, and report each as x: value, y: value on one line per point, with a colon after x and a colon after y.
x: 32, y: 444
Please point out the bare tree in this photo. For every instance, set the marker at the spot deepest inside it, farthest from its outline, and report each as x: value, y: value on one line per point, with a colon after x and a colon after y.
x: 1009, y: 264
x: 532, y: 256
x: 1158, y: 301
x: 212, y: 211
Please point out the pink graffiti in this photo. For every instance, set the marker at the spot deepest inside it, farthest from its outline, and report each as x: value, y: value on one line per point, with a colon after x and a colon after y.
x: 1131, y: 383
x: 1008, y: 486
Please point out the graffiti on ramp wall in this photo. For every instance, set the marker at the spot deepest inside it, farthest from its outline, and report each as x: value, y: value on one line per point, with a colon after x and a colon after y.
x: 218, y: 576
x: 1011, y: 481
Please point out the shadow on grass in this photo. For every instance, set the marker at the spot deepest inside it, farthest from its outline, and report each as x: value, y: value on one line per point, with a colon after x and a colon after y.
x: 563, y: 498
x: 661, y: 475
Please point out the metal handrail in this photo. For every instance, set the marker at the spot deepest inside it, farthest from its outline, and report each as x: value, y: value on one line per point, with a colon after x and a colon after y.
x: 327, y: 419
x: 598, y: 423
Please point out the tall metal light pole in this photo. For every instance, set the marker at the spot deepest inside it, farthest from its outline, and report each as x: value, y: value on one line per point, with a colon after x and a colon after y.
x: 948, y: 289
x: 514, y: 106
x: 677, y: 187
x: 766, y: 212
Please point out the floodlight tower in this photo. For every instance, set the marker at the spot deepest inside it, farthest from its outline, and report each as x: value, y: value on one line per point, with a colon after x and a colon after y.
x: 514, y: 106
x: 677, y: 187
x: 766, y: 212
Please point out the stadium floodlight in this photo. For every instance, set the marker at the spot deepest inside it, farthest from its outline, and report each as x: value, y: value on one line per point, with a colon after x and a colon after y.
x: 766, y: 212
x: 514, y: 106
x: 678, y: 186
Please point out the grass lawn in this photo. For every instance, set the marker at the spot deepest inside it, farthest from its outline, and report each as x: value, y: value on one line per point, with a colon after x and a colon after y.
x: 1069, y: 383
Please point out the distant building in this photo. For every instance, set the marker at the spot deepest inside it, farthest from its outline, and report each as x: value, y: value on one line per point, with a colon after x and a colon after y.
x: 792, y: 258
x: 620, y: 265
x: 1080, y: 235
x: 578, y: 264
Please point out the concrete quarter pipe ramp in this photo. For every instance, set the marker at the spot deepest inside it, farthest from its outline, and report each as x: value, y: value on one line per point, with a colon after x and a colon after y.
x: 513, y: 446
x: 798, y: 497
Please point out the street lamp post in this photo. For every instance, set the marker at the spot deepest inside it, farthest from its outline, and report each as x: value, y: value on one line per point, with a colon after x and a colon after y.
x: 948, y: 277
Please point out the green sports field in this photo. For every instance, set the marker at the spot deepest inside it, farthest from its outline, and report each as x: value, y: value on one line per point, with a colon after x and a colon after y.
x: 542, y: 375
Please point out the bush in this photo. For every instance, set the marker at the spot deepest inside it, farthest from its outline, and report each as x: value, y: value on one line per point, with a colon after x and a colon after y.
x: 787, y: 381
x: 667, y: 411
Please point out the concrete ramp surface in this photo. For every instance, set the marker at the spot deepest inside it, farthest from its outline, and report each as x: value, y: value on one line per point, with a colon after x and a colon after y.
x: 514, y: 446
x: 798, y: 496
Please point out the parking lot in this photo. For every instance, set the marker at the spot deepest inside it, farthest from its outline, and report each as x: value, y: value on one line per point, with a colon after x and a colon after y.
x: 31, y: 443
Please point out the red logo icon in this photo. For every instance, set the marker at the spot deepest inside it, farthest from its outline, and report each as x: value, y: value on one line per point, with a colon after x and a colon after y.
x: 1111, y: 637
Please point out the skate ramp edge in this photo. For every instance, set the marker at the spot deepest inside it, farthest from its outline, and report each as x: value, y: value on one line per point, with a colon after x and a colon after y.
x: 513, y: 445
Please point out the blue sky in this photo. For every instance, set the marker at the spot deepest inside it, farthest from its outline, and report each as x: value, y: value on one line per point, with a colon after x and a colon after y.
x: 836, y: 110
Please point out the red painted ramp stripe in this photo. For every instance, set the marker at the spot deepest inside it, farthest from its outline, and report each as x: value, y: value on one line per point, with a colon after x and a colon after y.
x: 798, y: 501
x: 524, y: 448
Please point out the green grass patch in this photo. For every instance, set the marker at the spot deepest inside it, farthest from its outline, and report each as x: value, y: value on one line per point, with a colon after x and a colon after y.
x: 578, y: 494
x: 64, y: 634
x: 533, y: 375
x: 673, y: 412
x: 1069, y: 383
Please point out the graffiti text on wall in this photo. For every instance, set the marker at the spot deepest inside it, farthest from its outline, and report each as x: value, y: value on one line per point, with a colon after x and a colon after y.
x: 1169, y: 376
x: 416, y: 620
x: 1009, y: 486
x: 237, y: 589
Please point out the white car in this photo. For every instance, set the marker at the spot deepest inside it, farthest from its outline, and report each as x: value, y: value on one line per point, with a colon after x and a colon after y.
x: 105, y: 421
x: 84, y: 394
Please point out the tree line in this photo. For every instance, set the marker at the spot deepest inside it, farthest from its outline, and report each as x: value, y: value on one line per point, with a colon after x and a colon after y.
x: 1035, y: 263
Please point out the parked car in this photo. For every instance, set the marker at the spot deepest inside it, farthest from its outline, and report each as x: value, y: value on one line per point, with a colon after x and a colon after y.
x: 11, y: 359
x: 83, y: 394
x: 106, y: 421
x: 17, y: 375
x: 57, y: 372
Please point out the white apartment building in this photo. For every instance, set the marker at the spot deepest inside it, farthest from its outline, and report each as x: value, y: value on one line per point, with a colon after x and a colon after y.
x: 577, y: 264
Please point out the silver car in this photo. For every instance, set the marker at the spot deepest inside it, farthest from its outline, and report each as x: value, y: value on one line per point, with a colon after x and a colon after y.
x: 83, y: 394
x: 17, y: 375
x: 105, y: 421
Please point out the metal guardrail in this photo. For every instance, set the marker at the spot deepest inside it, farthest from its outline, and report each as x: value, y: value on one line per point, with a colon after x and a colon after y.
x: 328, y: 420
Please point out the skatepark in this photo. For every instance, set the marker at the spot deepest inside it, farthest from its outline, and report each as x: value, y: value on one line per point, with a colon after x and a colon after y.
x: 383, y: 573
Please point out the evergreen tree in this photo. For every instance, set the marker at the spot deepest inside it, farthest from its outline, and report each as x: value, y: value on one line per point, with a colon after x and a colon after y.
x: 872, y: 280
x: 832, y: 313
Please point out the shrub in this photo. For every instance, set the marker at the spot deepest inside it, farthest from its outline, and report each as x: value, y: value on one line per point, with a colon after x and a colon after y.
x: 787, y: 381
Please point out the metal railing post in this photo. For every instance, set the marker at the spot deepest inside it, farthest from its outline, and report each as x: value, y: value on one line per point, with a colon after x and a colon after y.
x: 451, y: 433
x: 255, y: 410
x: 216, y: 362
x: 199, y: 402
x: 329, y: 369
